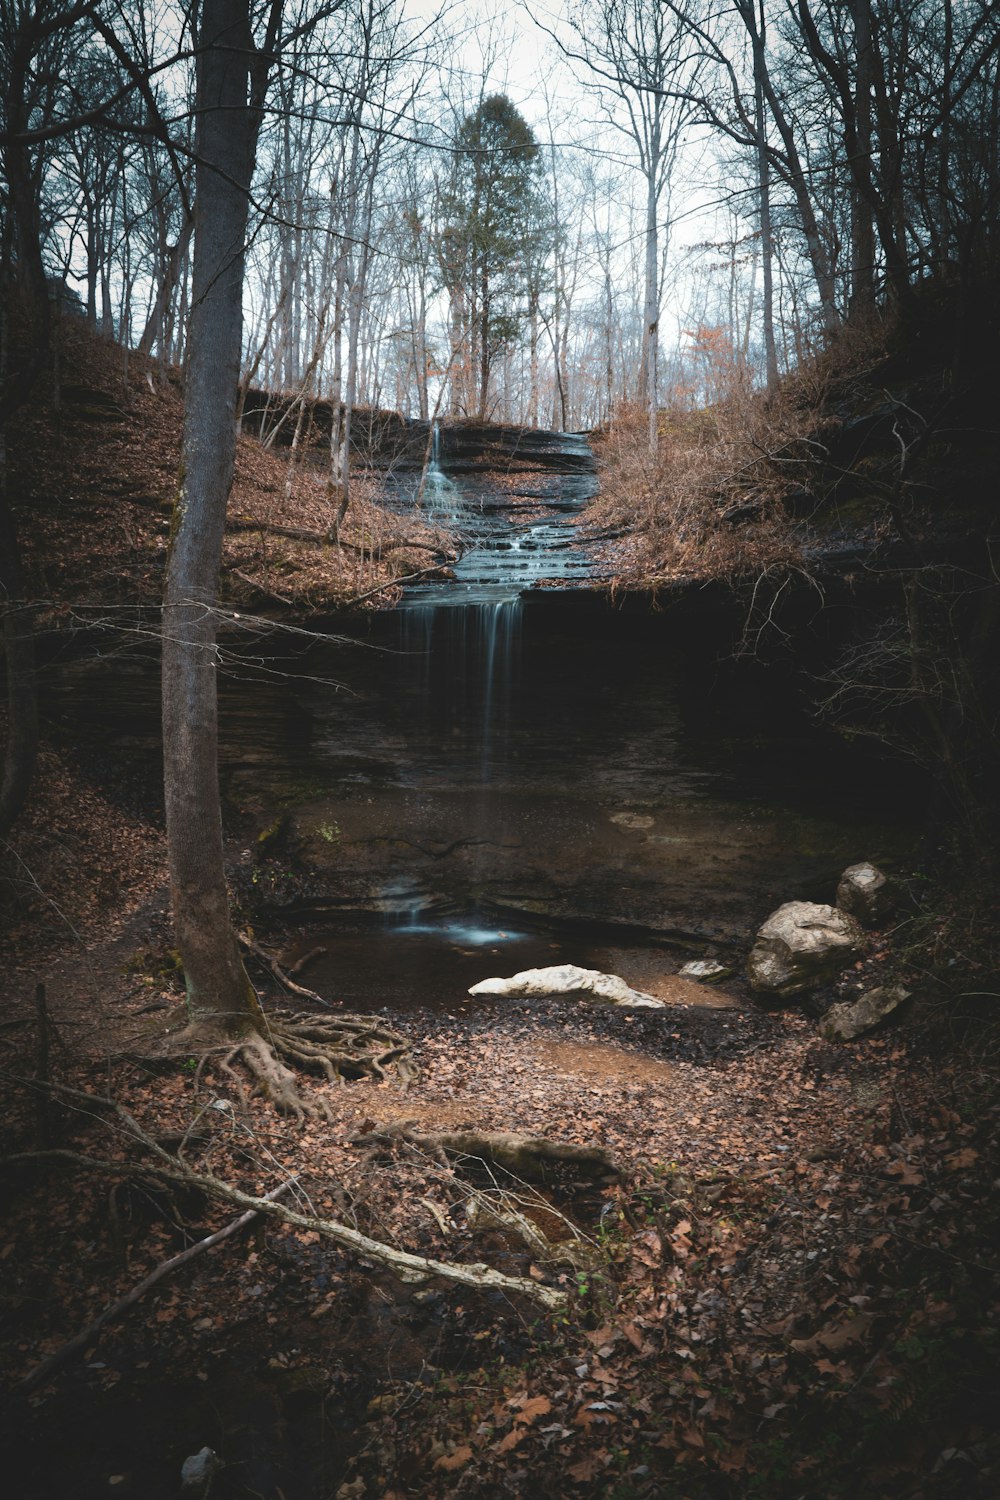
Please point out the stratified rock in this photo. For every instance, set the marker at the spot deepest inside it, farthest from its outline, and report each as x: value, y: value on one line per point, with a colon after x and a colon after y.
x: 801, y: 946
x: 865, y: 893
x: 568, y: 979
x: 842, y: 1023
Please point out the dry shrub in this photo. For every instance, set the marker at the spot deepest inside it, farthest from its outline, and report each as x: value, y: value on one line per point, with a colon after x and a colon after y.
x: 714, y: 503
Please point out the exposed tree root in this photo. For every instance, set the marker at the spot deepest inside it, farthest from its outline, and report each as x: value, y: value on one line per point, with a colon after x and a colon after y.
x: 337, y: 1047
x: 272, y: 1052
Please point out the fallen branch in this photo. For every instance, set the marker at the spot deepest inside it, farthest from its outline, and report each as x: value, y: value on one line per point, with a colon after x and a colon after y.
x: 295, y: 969
x: 303, y: 534
x: 281, y: 975
x: 406, y: 1266
x: 42, y: 1373
x: 393, y: 583
x: 265, y: 593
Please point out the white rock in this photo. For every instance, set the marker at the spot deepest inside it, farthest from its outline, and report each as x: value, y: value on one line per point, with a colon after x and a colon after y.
x: 568, y: 979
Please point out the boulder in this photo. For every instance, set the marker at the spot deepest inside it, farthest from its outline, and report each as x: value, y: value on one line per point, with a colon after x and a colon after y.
x: 568, y: 979
x: 865, y: 892
x: 853, y: 1018
x: 801, y: 946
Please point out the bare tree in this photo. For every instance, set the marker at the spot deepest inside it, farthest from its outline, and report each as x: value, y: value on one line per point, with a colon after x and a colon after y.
x: 638, y: 54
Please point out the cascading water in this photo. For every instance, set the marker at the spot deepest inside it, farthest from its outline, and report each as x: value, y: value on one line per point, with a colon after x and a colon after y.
x: 464, y: 634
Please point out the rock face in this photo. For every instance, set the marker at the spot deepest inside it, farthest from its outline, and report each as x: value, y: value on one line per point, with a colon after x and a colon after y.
x: 801, y: 946
x: 865, y: 893
x: 568, y: 979
x: 842, y: 1023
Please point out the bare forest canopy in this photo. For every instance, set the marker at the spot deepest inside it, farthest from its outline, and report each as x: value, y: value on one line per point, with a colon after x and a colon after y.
x: 693, y: 184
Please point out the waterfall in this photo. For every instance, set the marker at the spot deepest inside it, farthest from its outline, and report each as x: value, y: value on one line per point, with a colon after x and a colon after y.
x: 461, y: 637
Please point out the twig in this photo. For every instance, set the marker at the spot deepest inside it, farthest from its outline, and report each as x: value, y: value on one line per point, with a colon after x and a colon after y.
x: 43, y: 1372
x: 295, y: 969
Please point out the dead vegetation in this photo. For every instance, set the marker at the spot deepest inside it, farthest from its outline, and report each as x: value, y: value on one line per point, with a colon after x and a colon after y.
x: 737, y: 481
x: 94, y: 471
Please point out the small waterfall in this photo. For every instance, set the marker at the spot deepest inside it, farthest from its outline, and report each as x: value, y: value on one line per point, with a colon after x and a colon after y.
x: 462, y: 637
x: 500, y: 634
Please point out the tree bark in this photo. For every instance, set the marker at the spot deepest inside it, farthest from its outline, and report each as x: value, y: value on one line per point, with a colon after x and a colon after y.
x: 764, y: 194
x: 217, y: 985
x: 16, y: 387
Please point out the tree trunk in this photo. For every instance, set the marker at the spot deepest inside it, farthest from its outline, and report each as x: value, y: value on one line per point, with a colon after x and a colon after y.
x: 648, y: 383
x: 23, y: 227
x: 862, y: 228
x: 157, y: 322
x: 764, y: 191
x: 217, y: 985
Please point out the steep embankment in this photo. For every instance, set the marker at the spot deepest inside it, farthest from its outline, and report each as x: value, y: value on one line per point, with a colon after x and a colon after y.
x: 93, y: 472
x: 876, y: 455
x: 851, y: 514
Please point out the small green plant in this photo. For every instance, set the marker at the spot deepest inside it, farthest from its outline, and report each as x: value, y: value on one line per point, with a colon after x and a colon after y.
x: 329, y: 833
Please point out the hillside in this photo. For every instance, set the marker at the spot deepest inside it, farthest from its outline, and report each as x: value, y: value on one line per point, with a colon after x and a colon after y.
x: 93, y: 477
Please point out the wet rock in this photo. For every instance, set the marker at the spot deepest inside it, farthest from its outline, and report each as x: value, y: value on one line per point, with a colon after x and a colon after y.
x: 802, y: 945
x: 844, y: 1022
x: 865, y: 893
x: 568, y: 979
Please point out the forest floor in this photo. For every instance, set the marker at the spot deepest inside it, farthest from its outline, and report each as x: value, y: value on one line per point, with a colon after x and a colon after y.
x: 788, y: 1289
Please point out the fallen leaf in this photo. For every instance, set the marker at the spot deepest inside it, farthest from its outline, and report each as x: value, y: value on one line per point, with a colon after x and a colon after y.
x: 836, y: 1336
x: 538, y: 1406
x: 456, y: 1460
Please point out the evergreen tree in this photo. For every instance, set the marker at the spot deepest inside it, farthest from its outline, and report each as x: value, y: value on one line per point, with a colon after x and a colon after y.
x: 495, y: 221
